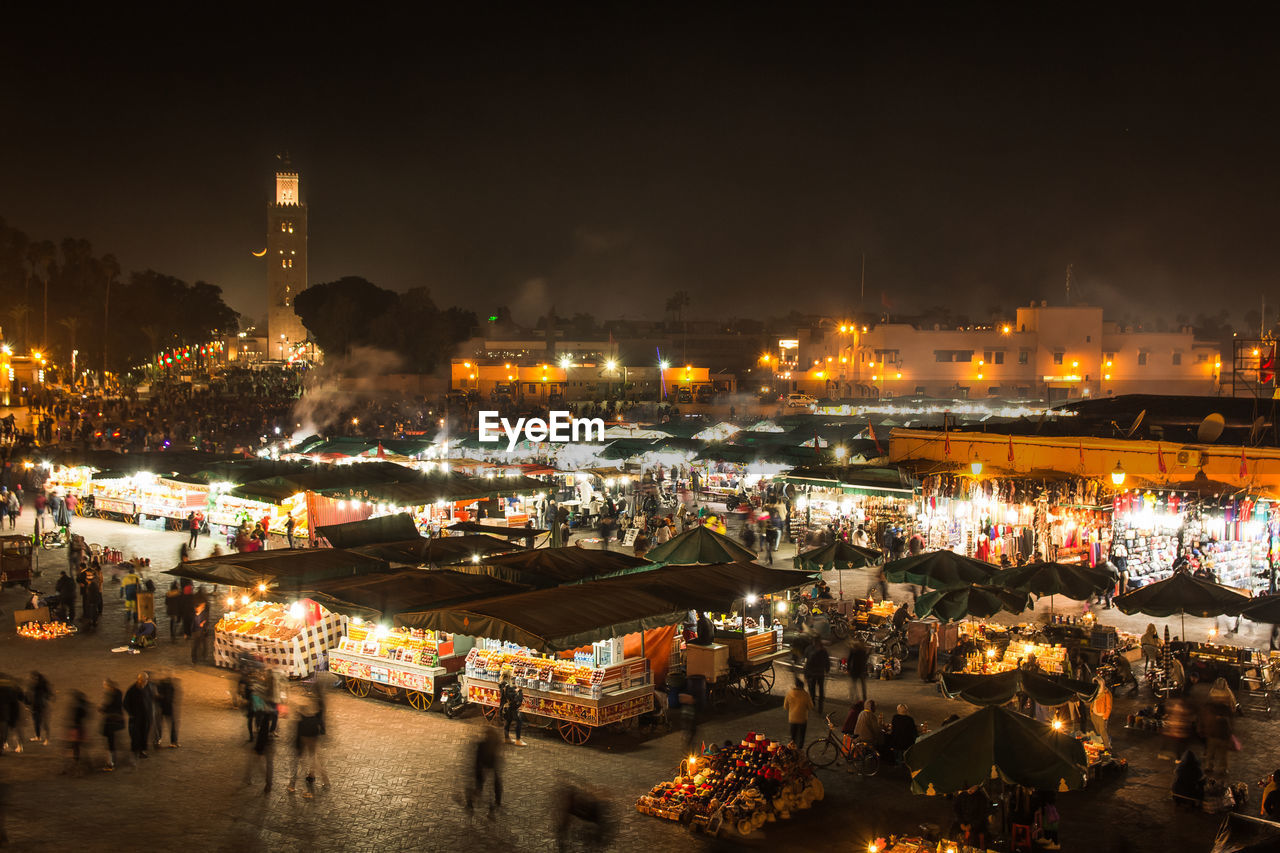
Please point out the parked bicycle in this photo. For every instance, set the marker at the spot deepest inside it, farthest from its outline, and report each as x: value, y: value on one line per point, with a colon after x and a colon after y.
x: 859, y: 755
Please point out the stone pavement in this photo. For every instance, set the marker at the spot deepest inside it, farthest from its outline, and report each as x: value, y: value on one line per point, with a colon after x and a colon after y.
x: 397, y: 772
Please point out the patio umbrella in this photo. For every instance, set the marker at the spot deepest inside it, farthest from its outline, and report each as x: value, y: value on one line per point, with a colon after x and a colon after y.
x: 1264, y: 608
x: 998, y: 688
x: 939, y: 569
x: 838, y: 554
x: 994, y: 743
x: 1181, y: 593
x: 1077, y: 582
x: 955, y: 603
x: 699, y: 544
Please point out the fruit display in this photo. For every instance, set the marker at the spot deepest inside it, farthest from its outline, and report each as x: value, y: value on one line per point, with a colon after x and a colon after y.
x: 736, y: 788
x: 46, y: 630
x: 401, y: 645
x: 292, y: 639
x: 546, y: 673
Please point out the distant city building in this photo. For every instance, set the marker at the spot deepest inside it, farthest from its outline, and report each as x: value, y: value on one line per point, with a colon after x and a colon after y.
x: 1047, y: 352
x: 286, y: 263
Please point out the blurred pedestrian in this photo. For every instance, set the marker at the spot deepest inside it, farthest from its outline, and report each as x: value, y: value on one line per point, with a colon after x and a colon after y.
x: 167, y: 697
x: 139, y: 705
x: 10, y: 713
x: 486, y: 761
x: 307, y: 734
x: 93, y: 599
x: 199, y: 633
x: 1100, y: 711
x: 77, y: 730
x: 39, y: 695
x: 858, y: 654
x: 263, y: 751
x: 173, y: 609
x: 816, y: 666
x: 112, y: 713
x: 797, y: 704
x: 512, y: 701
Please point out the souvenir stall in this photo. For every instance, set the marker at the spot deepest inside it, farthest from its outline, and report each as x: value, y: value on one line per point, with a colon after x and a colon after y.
x: 230, y: 511
x: 989, y: 657
x: 1064, y: 521
x: 734, y: 790
x: 851, y: 495
x: 392, y: 662
x: 596, y: 688
x: 292, y: 639
x: 171, y: 498
x: 1236, y: 538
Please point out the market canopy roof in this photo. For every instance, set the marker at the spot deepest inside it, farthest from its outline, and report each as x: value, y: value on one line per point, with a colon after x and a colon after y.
x: 291, y: 569
x: 868, y: 479
x: 720, y: 587
x: 998, y: 688
x: 370, y: 531
x: 939, y: 569
x: 436, y: 551
x: 1076, y: 581
x: 700, y: 544
x: 1264, y: 608
x: 385, y: 594
x: 1244, y: 834
x: 551, y: 620
x: 996, y: 743
x: 546, y: 567
x: 837, y: 553
x: 952, y: 604
x: 496, y: 530
x: 1183, y: 594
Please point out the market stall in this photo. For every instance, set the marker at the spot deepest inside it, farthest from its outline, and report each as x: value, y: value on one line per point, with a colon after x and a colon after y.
x: 394, y: 662
x: 292, y: 639
x: 734, y: 790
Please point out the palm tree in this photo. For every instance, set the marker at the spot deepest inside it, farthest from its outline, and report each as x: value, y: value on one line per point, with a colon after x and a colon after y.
x: 676, y: 303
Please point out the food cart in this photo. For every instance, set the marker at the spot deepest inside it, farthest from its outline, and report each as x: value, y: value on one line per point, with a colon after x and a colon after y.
x: 740, y: 662
x: 292, y: 639
x: 411, y: 662
x: 15, y: 560
x: 596, y: 688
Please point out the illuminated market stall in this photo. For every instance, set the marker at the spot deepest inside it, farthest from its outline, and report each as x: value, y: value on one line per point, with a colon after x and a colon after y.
x: 290, y: 638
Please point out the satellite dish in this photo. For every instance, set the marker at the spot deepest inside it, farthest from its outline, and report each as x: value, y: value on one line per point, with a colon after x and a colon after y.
x: 1255, y: 432
x: 1137, y: 422
x: 1210, y: 428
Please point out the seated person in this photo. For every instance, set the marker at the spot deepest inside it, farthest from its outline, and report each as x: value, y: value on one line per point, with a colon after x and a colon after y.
x: 1188, y: 777
x: 144, y: 635
x: 902, y: 732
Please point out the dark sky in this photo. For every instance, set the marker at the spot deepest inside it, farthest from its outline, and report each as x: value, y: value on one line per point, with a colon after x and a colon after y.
x: 603, y: 161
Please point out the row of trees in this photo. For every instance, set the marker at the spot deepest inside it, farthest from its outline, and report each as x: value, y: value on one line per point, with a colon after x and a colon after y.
x: 353, y: 312
x: 60, y: 297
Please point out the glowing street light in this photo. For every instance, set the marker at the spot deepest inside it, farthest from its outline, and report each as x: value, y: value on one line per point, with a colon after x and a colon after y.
x: 1117, y: 475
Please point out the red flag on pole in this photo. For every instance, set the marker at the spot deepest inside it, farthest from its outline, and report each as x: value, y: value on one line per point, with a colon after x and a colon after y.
x: 871, y: 431
x: 1010, y: 448
x: 1160, y: 458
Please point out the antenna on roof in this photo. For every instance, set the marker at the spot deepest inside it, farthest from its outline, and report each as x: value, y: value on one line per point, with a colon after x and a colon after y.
x: 1137, y: 422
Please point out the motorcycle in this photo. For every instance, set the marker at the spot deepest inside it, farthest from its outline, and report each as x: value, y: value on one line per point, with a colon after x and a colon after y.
x: 452, y: 700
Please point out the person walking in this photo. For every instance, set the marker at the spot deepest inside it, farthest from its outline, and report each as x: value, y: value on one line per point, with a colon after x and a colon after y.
x: 173, y: 609
x: 167, y: 695
x: 816, y: 666
x: 77, y: 731
x: 1220, y: 740
x: 193, y: 527
x: 93, y: 599
x: 1150, y: 647
x: 112, y: 712
x: 288, y: 530
x: 798, y: 704
x: 486, y: 761
x: 199, y: 633
x: 39, y: 695
x: 262, y: 751
x: 858, y: 654
x: 10, y: 713
x: 307, y: 734
x: 1100, y: 711
x: 66, y: 589
x: 129, y: 591
x: 138, y: 704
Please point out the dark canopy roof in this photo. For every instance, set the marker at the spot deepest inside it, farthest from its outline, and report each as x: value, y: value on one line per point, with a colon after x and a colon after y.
x: 292, y: 569
x: 545, y: 567
x: 370, y: 531
x: 699, y: 544
x: 707, y: 587
x: 411, y: 589
x: 551, y: 620
x: 495, y: 530
x: 436, y: 551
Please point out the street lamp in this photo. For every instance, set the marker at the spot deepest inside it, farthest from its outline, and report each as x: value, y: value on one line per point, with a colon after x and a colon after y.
x: 1117, y: 475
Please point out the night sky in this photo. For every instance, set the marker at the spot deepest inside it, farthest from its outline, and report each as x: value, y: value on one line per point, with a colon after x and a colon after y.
x: 601, y: 162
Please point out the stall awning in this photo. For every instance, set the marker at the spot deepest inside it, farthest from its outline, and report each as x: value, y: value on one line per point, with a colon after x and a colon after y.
x: 551, y: 620
x: 436, y: 551
x: 290, y: 569
x: 546, y: 567
x: 852, y: 479
x: 720, y: 587
x: 495, y: 530
x: 384, y: 595
x: 371, y: 531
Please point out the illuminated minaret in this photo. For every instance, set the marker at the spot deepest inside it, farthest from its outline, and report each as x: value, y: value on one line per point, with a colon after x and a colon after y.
x: 286, y: 262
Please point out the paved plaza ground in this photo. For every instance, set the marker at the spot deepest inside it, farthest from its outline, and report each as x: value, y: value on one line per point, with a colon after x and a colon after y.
x: 397, y: 772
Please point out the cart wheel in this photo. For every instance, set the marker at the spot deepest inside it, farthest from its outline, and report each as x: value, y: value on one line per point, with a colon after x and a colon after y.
x: 766, y: 678
x: 822, y: 753
x: 490, y: 712
x: 574, y: 733
x: 756, y: 690
x: 420, y: 701
x: 357, y: 687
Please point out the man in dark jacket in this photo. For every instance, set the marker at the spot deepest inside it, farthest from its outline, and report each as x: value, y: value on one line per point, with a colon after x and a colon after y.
x: 138, y: 705
x: 816, y: 666
x: 199, y: 633
x: 167, y: 709
x: 66, y: 589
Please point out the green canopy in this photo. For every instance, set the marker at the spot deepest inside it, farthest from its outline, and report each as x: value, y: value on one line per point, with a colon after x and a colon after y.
x: 291, y: 569
x: 1078, y: 582
x: 1265, y: 608
x: 547, y: 567
x: 388, y: 593
x: 939, y: 569
x: 952, y: 604
x: 720, y: 588
x: 998, y: 688
x: 1184, y: 594
x: 838, y: 554
x: 437, y: 551
x: 994, y: 743
x: 700, y: 544
x: 552, y: 620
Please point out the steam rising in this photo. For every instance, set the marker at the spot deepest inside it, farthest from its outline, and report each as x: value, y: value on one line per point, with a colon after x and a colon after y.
x: 341, y: 383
